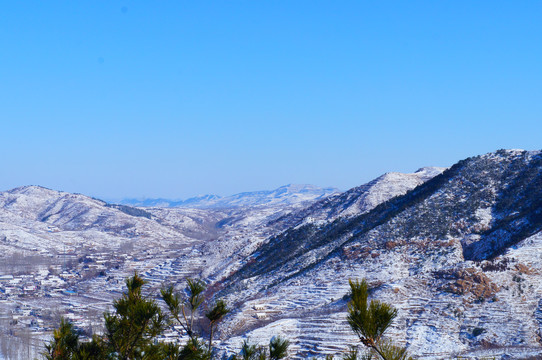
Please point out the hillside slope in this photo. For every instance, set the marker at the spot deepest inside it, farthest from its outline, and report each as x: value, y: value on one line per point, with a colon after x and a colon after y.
x: 58, y: 218
x: 456, y: 253
x: 360, y: 199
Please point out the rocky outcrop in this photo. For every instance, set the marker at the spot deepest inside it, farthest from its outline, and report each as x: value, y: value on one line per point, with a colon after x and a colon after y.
x: 469, y: 280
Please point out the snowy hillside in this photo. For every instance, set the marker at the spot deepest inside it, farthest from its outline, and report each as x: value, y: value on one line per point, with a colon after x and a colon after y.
x: 456, y: 255
x: 34, y: 217
x: 55, y: 244
x: 360, y: 199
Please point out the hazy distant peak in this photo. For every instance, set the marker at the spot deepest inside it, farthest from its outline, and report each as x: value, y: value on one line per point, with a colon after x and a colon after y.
x: 303, y: 187
x: 286, y: 194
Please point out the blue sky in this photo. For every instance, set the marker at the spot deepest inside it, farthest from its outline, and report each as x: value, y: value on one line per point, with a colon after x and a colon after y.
x: 176, y: 98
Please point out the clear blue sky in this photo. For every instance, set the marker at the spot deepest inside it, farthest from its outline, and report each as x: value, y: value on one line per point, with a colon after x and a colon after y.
x: 177, y: 98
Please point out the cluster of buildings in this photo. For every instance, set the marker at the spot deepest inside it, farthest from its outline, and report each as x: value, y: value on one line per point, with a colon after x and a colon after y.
x: 41, y: 284
x: 54, y: 288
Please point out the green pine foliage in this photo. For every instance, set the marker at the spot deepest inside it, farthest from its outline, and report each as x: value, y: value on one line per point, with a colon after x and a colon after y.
x: 66, y: 345
x: 195, y: 349
x: 370, y: 320
x: 185, y: 312
x: 215, y: 315
x: 65, y: 342
x: 250, y: 352
x: 131, y: 331
x: 278, y: 349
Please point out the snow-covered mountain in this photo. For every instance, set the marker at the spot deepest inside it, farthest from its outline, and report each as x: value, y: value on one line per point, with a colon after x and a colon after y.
x: 41, y: 228
x: 458, y: 255
x: 44, y: 221
x: 284, y: 195
x: 360, y: 199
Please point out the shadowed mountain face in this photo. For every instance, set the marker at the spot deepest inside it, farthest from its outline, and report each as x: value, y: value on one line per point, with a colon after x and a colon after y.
x: 488, y: 202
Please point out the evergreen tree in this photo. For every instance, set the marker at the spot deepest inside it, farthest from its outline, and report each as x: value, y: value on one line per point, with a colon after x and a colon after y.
x: 370, y: 321
x: 184, y: 314
x: 129, y: 331
x: 278, y: 349
x: 64, y: 344
x: 178, y: 309
x: 215, y: 315
x: 249, y: 352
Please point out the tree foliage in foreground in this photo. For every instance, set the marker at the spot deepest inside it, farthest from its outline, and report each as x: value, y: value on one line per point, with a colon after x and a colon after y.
x: 370, y: 320
x: 131, y: 331
x: 65, y: 342
x: 277, y: 349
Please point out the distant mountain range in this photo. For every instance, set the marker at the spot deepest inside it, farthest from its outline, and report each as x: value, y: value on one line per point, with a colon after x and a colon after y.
x: 284, y: 195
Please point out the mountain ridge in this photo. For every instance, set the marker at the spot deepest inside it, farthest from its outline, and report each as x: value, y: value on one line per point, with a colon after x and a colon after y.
x: 361, y: 199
